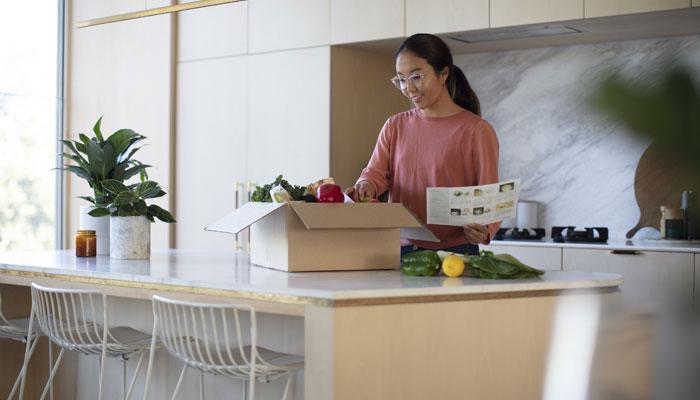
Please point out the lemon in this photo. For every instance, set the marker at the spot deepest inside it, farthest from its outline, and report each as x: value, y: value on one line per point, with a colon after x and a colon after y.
x: 453, y: 266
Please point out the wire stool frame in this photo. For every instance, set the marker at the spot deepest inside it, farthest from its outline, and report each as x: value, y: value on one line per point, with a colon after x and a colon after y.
x: 9, y: 329
x: 69, y: 317
x: 209, y: 337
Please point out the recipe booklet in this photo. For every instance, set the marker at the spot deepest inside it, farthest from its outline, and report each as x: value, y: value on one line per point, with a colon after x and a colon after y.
x: 483, y: 204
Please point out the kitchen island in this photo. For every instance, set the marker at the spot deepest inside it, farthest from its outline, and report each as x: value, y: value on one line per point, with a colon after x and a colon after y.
x: 364, y: 335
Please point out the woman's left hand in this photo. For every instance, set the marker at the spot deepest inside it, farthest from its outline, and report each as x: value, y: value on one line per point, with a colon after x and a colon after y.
x: 476, y: 234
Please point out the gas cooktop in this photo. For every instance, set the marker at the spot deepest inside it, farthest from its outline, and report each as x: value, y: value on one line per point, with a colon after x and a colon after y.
x: 519, y: 234
x: 561, y: 234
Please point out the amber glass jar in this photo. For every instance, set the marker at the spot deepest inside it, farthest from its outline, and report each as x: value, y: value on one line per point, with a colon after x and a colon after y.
x: 85, y: 243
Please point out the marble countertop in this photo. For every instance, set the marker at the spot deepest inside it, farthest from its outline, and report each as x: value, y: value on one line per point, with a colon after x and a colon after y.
x: 680, y: 246
x: 232, y: 272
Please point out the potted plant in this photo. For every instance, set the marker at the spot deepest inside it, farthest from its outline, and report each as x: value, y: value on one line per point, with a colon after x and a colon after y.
x: 131, y: 217
x: 98, y: 159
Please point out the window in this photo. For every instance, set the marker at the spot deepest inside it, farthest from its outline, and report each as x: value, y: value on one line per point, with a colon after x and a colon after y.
x: 31, y: 53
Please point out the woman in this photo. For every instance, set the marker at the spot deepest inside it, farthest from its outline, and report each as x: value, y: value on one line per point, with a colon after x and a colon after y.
x: 441, y: 142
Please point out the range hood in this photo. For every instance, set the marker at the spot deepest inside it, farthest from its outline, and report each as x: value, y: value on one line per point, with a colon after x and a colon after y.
x: 516, y: 32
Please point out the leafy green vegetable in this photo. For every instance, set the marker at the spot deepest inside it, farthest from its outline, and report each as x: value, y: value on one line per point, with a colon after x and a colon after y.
x: 262, y: 193
x: 488, y: 265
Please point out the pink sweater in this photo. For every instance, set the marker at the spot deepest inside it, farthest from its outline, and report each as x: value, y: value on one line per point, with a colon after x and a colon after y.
x: 415, y: 151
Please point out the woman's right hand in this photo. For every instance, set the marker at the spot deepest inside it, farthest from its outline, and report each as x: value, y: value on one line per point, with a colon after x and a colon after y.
x: 362, y: 190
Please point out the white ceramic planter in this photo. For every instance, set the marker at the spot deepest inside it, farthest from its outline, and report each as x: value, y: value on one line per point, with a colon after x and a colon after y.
x: 130, y: 238
x: 98, y: 224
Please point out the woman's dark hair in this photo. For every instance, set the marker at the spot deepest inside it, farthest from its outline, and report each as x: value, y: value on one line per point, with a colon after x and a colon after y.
x: 435, y: 51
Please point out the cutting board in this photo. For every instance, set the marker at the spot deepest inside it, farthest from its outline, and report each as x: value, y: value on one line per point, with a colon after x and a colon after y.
x: 658, y: 181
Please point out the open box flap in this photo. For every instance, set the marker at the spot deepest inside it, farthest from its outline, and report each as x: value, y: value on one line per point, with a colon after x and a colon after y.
x: 243, y: 217
x: 354, y: 216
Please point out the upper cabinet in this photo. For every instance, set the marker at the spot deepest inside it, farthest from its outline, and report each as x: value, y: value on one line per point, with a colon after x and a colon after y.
x: 443, y: 16
x: 288, y: 115
x: 521, y: 12
x: 287, y: 24
x: 365, y: 20
x: 602, y: 8
x: 213, y: 32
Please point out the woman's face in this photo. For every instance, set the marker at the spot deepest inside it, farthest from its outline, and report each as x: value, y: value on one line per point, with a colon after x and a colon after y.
x: 418, y: 81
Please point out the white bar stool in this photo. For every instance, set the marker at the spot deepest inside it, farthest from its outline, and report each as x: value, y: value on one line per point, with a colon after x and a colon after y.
x: 208, y: 337
x: 71, y: 319
x: 18, y: 329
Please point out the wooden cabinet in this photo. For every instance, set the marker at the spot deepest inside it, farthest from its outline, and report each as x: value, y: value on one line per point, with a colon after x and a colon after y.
x: 287, y: 24
x: 365, y: 20
x: 288, y: 114
x: 442, y: 16
x: 213, y: 32
x: 547, y: 258
x: 654, y: 280
x: 602, y: 8
x: 522, y: 12
x: 211, y: 147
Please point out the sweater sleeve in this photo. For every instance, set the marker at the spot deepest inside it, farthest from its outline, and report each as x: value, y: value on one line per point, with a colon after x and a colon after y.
x: 377, y: 170
x: 485, y: 160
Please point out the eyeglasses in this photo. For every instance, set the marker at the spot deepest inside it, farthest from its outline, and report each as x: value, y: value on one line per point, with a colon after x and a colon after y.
x: 402, y: 82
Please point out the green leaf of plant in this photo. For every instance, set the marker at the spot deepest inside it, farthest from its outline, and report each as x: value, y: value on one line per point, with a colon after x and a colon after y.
x: 97, y: 130
x: 131, y: 153
x: 125, y: 198
x: 141, y: 208
x: 95, y: 158
x: 147, y: 189
x: 109, y: 159
x: 79, y: 172
x: 72, y: 146
x: 135, y: 170
x: 114, y: 186
x: 88, y: 198
x: 99, y: 212
x: 121, y: 140
x: 126, y: 211
x: 118, y: 172
x: 83, y: 138
x: 160, y: 193
x: 160, y: 213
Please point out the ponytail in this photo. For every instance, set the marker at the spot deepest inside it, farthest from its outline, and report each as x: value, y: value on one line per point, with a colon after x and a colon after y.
x: 461, y: 91
x: 435, y: 51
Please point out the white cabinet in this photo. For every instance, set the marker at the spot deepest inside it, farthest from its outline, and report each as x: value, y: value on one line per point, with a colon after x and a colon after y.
x: 211, y: 32
x: 288, y: 115
x: 211, y: 147
x: 654, y: 280
x: 602, y: 8
x: 696, y: 3
x: 442, y: 16
x: 287, y: 24
x: 547, y: 258
x: 365, y: 20
x: 521, y: 12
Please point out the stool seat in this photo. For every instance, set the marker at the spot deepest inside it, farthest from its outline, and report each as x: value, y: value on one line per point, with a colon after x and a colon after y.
x: 16, y: 329
x: 283, y: 362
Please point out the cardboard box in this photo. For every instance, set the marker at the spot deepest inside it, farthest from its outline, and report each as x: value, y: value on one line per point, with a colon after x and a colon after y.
x: 298, y: 236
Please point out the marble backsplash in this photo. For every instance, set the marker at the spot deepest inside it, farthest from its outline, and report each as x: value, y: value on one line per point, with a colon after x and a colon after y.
x: 578, y: 165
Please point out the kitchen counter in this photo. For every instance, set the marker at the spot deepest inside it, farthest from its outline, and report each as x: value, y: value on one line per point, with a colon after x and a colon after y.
x: 350, y: 326
x: 612, y: 244
x: 232, y: 275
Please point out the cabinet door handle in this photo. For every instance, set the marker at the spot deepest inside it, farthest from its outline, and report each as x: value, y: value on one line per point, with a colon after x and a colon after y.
x: 626, y: 252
